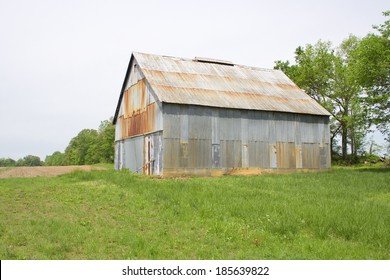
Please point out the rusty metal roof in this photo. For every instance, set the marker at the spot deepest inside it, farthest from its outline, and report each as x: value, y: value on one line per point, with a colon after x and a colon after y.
x: 216, y: 83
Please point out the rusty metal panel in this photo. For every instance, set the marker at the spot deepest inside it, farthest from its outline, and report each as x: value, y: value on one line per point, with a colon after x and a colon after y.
x: 298, y: 156
x: 139, y: 115
x: 185, y: 81
x: 141, y: 123
x: 285, y: 153
x: 310, y: 156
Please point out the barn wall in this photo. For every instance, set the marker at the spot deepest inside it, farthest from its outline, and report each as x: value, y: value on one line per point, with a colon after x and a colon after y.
x: 202, y: 140
x: 138, y: 136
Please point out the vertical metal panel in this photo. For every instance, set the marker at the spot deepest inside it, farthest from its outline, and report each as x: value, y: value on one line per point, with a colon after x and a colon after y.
x: 324, y: 156
x: 245, y: 156
x: 135, y: 74
x: 285, y: 155
x: 271, y: 128
x: 222, y: 138
x: 298, y: 156
x: 118, y: 129
x: 272, y: 156
x: 310, y: 156
x: 184, y: 124
x: 216, y: 156
x: 200, y: 154
x: 237, y: 154
x: 117, y: 155
x: 199, y: 122
x: 215, y: 136
x: 171, y: 124
x: 262, y: 155
x: 156, y: 167
x: 133, y: 154
x: 244, y: 128
x: 297, y: 132
x: 183, y: 155
x: 236, y: 128
x: 171, y: 153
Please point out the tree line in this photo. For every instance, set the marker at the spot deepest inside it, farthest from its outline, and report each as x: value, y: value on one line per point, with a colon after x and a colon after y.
x: 352, y: 81
x: 90, y: 146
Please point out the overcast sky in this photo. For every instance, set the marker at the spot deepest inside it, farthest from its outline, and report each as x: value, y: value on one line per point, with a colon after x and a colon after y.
x: 62, y: 63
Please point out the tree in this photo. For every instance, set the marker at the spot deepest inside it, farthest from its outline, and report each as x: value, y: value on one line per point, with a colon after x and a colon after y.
x: 5, y: 162
x: 325, y: 74
x: 56, y: 159
x: 371, y: 65
x: 29, y: 160
x: 82, y: 149
x: 90, y: 146
x: 106, y: 141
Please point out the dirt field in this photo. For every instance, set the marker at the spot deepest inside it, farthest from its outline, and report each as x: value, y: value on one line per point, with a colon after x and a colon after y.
x: 27, y: 171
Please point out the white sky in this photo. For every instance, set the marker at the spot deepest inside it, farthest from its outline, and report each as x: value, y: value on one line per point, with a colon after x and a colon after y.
x: 62, y: 63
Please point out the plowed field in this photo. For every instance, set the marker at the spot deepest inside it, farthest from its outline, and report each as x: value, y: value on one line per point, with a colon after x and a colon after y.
x: 46, y: 171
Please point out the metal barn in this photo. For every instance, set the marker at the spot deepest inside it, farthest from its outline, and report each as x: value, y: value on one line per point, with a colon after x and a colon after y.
x: 202, y: 116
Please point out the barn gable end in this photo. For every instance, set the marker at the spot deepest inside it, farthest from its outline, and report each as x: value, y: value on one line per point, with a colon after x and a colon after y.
x: 138, y: 125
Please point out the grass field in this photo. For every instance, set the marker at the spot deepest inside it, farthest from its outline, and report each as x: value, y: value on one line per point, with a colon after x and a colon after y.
x: 104, y: 214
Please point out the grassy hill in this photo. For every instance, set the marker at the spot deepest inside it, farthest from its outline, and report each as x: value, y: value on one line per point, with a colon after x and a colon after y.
x: 105, y: 214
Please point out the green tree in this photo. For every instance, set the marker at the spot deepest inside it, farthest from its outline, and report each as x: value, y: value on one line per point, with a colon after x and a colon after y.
x: 106, y: 141
x: 30, y: 160
x: 5, y: 162
x: 371, y: 65
x: 82, y: 149
x: 56, y: 159
x: 325, y: 74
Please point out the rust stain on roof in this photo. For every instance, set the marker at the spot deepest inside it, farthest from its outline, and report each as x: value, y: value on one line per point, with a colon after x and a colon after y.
x: 187, y: 81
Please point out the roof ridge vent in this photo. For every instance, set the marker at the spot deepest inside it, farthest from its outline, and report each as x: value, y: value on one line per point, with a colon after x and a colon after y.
x: 213, y: 60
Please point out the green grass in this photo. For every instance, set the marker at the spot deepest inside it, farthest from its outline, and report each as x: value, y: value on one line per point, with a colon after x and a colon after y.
x: 341, y: 214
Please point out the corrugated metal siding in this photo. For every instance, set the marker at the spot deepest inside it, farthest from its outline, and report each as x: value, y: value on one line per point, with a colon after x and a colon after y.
x: 198, y: 138
x: 141, y: 154
x: 156, y: 134
x: 139, y: 111
x: 184, y: 81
